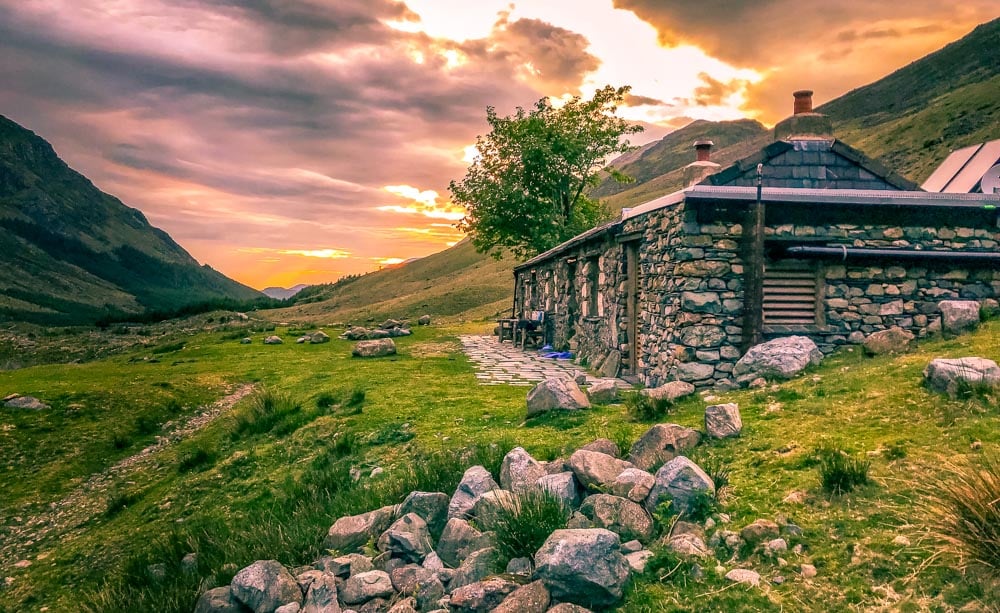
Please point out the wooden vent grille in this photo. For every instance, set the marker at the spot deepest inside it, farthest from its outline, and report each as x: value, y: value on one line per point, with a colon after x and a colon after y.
x: 789, y: 296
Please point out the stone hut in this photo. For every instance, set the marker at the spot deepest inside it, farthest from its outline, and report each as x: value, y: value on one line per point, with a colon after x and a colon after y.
x: 831, y: 245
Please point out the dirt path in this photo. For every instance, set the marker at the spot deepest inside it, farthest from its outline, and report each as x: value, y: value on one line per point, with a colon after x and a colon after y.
x: 68, y: 516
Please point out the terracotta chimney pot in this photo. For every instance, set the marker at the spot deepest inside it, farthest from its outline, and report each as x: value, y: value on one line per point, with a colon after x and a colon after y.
x: 803, y: 101
x: 703, y: 149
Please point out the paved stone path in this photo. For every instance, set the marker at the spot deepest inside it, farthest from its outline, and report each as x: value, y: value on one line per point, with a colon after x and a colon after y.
x: 505, y: 363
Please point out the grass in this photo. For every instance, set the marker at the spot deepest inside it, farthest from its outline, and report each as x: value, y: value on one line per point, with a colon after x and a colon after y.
x: 840, y: 473
x: 641, y: 407
x: 273, y: 493
x: 965, y: 499
x: 523, y: 522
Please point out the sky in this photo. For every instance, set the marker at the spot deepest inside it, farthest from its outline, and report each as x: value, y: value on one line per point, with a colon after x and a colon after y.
x: 296, y: 141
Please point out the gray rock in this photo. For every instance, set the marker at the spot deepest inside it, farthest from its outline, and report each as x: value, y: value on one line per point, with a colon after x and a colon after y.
x: 491, y: 504
x: 348, y: 533
x: 406, y: 605
x: 662, y: 443
x: 759, y: 531
x: 320, y: 589
x: 458, y: 540
x: 475, y: 482
x: 481, y: 596
x: 218, y: 600
x: 246, y: 341
x: 292, y: 607
x: 410, y: 579
x: 893, y: 340
x: 519, y: 471
x: 744, y: 575
x: 432, y: 507
x: 319, y: 337
x: 953, y: 376
x: 603, y: 445
x: 378, y: 334
x: 433, y: 562
x: 556, y: 394
x: 671, y: 392
x: 355, y: 333
x: 301, y: 340
x: 678, y: 480
x: 611, y: 365
x: 568, y: 607
x: 374, y: 349
x: 622, y: 516
x: 273, y: 340
x: 775, y: 547
x: 688, y: 545
x: 563, y: 486
x: 430, y: 594
x: 397, y: 332
x: 530, y: 598
x: 603, y: 391
x: 959, y: 316
x: 781, y: 358
x: 634, y: 484
x: 723, y: 420
x: 366, y: 586
x: 29, y: 403
x: 265, y: 585
x: 424, y: 320
x: 580, y: 378
x: 407, y: 538
x: 583, y: 566
x: 637, y: 560
x: 389, y: 324
x: 631, y: 547
x: 479, y: 565
x: 520, y: 566
x: 596, y: 470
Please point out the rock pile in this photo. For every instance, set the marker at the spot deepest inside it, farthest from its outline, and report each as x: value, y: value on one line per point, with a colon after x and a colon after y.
x: 391, y: 328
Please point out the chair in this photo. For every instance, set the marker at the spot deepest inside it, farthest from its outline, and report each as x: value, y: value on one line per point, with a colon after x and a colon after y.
x: 533, y: 329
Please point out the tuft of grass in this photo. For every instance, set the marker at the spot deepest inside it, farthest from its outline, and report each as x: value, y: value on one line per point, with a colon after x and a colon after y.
x: 641, y: 407
x: 392, y: 434
x: 523, y: 522
x: 700, y: 506
x: 145, y: 425
x: 121, y: 441
x: 168, y: 348
x: 964, y: 501
x: 119, y: 500
x: 199, y: 458
x: 840, y: 472
x: 719, y: 473
x: 266, y: 411
x: 326, y: 400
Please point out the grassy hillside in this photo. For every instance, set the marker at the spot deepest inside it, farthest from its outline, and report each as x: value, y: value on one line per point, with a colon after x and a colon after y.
x: 88, y: 526
x: 70, y: 253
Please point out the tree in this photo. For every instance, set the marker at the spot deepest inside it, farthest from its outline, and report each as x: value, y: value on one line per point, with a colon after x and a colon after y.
x: 525, y: 191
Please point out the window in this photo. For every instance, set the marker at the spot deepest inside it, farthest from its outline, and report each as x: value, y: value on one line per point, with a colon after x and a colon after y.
x: 791, y: 290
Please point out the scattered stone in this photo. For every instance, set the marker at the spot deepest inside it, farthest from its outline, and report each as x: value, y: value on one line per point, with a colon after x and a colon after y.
x: 745, y: 576
x: 568, y: 607
x: 603, y: 391
x: 475, y: 482
x: 563, y: 486
x: 901, y: 540
x: 637, y: 560
x: 623, y: 517
x: 355, y: 333
x: 390, y: 324
x: 662, y: 443
x: 407, y: 538
x: 432, y: 507
x: 410, y: 579
x: 758, y: 383
x: 460, y: 539
x: 491, y: 504
x: 808, y: 571
x: 301, y: 340
x: 530, y: 598
x: 374, y: 349
x: 777, y: 579
x: 796, y: 497
x: 556, y: 394
x: 265, y: 585
x: 671, y: 392
x: 430, y: 593
x: 519, y: 471
x: 581, y: 379
x: 246, y: 341
x: 959, y: 316
x: 189, y: 563
x: 631, y: 547
x: 397, y: 332
x: 634, y: 484
x: 596, y: 470
x: 893, y: 340
x: 29, y: 403
x: 366, y: 586
x: 520, y: 566
x: 273, y: 340
x: 424, y: 320
x: 723, y: 420
x: 348, y: 533
x: 679, y: 480
x: 583, y: 566
x: 319, y: 337
x: 602, y: 445
x: 406, y: 605
x: 481, y: 596
x: 759, y: 531
x: 953, y: 376
x: 218, y: 600
x: 688, y: 545
x: 781, y: 358
x: 775, y: 546
x: 320, y: 589
x: 479, y: 565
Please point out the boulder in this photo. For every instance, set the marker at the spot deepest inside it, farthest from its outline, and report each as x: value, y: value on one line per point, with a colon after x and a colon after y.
x: 671, y: 392
x: 530, y: 598
x: 679, y: 480
x: 781, y: 358
x: 397, y: 332
x: 688, y: 545
x: 374, y: 349
x: 366, y: 586
x: 301, y: 340
x: 603, y: 391
x: 520, y: 566
x: 491, y: 504
x: 611, y: 365
x: 246, y: 341
x: 479, y: 565
x: 563, y: 486
x: 410, y: 579
x: 744, y: 575
x: 481, y: 596
x: 893, y: 340
x: 556, y: 394
x: 953, y: 376
x: 429, y: 594
x: 959, y: 316
x: 348, y: 533
x: 377, y: 334
x: 406, y: 605
x: 460, y: 539
x: 568, y: 607
x: 622, y: 516
x: 475, y: 482
x: 218, y: 600
x: 596, y: 470
x: 661, y: 443
x: 29, y: 403
x: 634, y: 484
x: 389, y: 324
x: 723, y: 420
x: 407, y: 538
x: 424, y: 320
x: 637, y: 560
x: 273, y: 340
x: 432, y: 507
x: 583, y: 566
x: 320, y: 589
x: 265, y: 585
x: 603, y: 445
x: 519, y: 471
x: 355, y: 333
x: 759, y: 531
x: 318, y: 337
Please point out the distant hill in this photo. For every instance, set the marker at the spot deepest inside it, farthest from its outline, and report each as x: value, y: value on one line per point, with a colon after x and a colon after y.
x: 69, y: 253
x: 910, y: 120
x: 283, y: 293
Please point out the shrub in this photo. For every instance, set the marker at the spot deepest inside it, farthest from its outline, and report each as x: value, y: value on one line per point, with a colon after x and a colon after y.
x: 121, y: 441
x: 266, y: 410
x: 641, y: 407
x: 523, y: 522
x: 841, y: 473
x: 965, y: 502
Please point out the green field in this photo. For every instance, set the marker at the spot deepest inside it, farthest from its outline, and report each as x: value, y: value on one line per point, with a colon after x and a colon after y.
x: 267, y: 477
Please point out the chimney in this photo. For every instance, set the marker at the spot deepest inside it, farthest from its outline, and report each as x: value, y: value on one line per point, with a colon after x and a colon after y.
x: 803, y: 101
x: 703, y: 149
x: 805, y: 123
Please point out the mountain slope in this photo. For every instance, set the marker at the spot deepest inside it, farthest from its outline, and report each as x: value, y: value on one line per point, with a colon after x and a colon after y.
x: 69, y: 253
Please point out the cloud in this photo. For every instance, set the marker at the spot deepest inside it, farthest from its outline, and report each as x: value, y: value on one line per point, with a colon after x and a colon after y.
x: 554, y: 58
